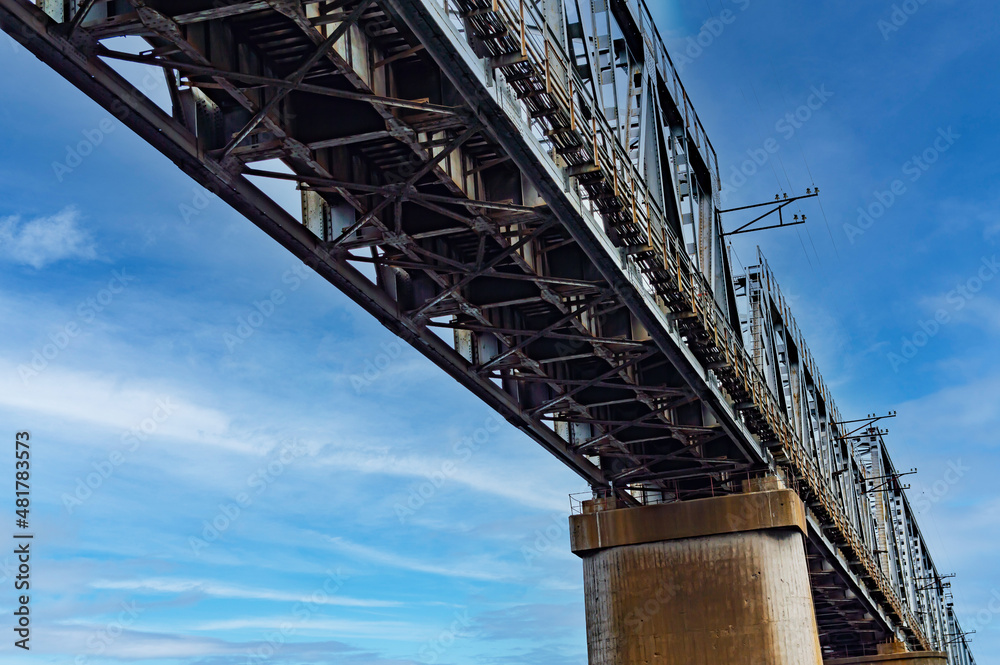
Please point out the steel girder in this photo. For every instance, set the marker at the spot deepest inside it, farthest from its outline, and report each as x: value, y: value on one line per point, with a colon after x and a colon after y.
x: 855, y: 464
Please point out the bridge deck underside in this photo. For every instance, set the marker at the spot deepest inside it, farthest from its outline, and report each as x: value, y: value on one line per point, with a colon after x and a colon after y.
x: 441, y: 217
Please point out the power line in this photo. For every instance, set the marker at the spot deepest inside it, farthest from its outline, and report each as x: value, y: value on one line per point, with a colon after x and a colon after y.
x: 777, y: 180
x: 777, y: 156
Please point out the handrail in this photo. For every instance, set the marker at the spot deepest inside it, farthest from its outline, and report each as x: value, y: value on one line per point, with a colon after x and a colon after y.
x: 648, y: 26
x: 648, y: 222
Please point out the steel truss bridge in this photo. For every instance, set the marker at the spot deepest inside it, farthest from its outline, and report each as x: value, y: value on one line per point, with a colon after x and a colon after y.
x: 523, y: 191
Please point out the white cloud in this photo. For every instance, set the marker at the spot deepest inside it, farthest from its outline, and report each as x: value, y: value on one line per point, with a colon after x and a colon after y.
x: 45, y: 240
x: 385, y: 630
x: 129, y: 645
x: 485, y: 569
x: 209, y: 588
x: 951, y: 414
x: 93, y: 642
x: 992, y: 230
x: 514, y: 484
x: 123, y: 406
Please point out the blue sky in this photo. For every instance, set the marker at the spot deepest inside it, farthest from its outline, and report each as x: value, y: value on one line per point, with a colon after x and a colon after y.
x: 317, y: 492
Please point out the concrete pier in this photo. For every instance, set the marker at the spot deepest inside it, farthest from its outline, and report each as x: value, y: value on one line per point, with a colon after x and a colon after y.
x: 721, y: 581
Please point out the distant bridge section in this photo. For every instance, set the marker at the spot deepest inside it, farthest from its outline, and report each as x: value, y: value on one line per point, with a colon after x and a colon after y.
x: 523, y: 191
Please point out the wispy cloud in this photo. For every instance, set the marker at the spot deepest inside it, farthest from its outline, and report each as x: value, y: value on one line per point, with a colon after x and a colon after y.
x: 519, y: 621
x: 210, y: 588
x: 44, y: 240
x: 481, y: 569
x: 90, y: 641
x: 938, y: 416
x: 386, y: 630
x: 132, y: 645
x: 524, y: 488
x: 107, y: 401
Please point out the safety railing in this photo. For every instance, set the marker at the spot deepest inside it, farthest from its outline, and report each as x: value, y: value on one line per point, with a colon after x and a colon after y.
x: 610, y: 157
x: 646, y: 27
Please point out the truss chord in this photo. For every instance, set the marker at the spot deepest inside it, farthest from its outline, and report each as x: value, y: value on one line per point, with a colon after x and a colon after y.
x: 266, y: 81
x: 296, y: 78
x: 81, y: 14
x: 614, y: 370
x: 493, y: 263
x: 566, y: 318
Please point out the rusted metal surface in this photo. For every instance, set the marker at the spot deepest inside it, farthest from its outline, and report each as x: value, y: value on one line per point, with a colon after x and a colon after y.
x: 735, y: 513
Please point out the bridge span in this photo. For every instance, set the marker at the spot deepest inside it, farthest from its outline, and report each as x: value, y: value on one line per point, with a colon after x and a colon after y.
x: 523, y: 191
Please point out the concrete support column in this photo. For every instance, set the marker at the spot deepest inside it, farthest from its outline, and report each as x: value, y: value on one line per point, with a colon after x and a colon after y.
x: 720, y: 581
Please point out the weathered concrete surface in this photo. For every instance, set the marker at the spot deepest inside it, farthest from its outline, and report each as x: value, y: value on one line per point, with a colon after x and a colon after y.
x: 914, y: 658
x: 711, y: 582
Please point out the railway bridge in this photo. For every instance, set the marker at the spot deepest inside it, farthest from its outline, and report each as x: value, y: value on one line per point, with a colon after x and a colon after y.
x: 523, y: 191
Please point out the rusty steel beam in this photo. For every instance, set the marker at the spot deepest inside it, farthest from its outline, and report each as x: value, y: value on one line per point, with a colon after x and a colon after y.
x: 30, y: 27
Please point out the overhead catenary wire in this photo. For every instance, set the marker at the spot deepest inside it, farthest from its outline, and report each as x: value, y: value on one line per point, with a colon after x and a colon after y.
x: 820, y: 201
x: 812, y: 180
x: 804, y: 251
x: 776, y: 155
x: 777, y: 180
x: 829, y: 230
x: 732, y: 251
x: 784, y: 98
x: 811, y: 242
